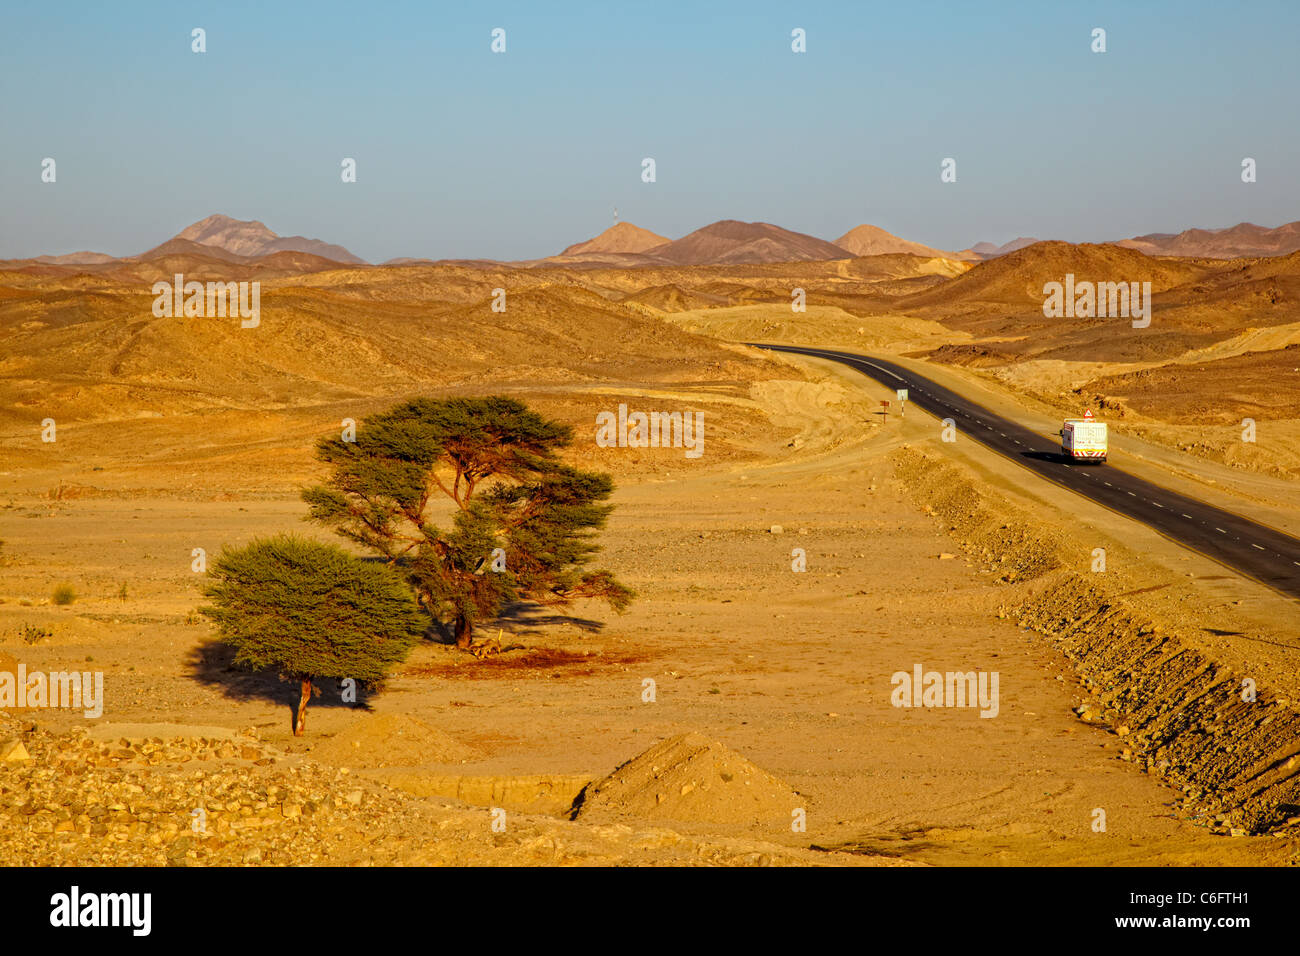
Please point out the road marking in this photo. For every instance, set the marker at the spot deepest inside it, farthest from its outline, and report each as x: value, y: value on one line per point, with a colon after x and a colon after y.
x: 1254, y: 545
x: 886, y: 371
x: 965, y: 415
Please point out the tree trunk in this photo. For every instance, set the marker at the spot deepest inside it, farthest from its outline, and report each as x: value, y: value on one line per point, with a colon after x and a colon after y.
x: 301, y: 723
x: 464, y: 632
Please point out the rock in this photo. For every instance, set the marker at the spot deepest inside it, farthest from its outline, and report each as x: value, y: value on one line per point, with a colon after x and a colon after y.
x: 13, y: 751
x: 945, y: 556
x: 776, y: 529
x: 178, y: 851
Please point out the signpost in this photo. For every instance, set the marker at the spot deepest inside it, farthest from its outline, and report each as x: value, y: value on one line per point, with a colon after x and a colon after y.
x: 884, y: 405
x: 902, y: 401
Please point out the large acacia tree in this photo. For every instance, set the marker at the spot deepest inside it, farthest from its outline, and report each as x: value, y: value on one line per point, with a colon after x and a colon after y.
x: 437, y: 486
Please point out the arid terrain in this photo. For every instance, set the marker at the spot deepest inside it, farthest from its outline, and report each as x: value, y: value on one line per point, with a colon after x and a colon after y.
x: 771, y: 687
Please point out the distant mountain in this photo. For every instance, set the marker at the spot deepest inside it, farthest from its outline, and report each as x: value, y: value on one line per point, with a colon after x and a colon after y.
x: 730, y: 242
x: 75, y: 259
x: 252, y: 239
x: 1243, y: 239
x: 873, y: 241
x: 987, y: 250
x: 620, y: 237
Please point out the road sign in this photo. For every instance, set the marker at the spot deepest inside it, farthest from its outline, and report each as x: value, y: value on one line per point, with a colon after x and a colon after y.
x: 884, y: 404
x: 902, y: 394
x: 1087, y: 416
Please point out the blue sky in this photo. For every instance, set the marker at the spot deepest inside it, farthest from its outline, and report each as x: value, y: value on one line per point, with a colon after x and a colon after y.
x: 465, y: 153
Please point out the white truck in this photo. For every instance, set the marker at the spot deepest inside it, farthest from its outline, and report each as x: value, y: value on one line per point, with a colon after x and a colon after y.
x: 1083, y: 439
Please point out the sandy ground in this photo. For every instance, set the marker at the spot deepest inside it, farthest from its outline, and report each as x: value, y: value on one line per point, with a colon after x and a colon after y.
x: 790, y: 670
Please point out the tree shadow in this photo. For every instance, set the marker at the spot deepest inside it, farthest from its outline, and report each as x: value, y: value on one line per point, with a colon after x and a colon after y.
x: 525, y: 615
x: 213, y: 665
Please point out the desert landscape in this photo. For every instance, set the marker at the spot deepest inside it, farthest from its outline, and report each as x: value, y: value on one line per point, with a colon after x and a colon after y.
x: 450, y: 453
x: 742, y: 710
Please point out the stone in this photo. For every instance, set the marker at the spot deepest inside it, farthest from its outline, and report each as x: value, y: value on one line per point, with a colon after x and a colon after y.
x: 13, y: 751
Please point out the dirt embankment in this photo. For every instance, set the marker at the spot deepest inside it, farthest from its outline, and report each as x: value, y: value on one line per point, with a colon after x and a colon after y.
x: 1226, y: 739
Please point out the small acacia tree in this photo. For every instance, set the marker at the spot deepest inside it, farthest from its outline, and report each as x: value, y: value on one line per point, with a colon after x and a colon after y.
x: 490, y: 463
x: 312, y: 611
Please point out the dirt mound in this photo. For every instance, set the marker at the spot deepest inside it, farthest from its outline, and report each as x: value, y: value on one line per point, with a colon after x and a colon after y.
x: 390, y: 740
x: 690, y: 778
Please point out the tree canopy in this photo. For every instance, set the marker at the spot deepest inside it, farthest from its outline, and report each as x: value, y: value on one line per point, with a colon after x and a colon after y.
x: 310, y: 611
x: 516, y: 523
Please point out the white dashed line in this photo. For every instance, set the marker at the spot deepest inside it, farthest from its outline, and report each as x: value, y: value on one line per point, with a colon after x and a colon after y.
x: 1254, y: 545
x: 1189, y: 517
x: 1220, y: 530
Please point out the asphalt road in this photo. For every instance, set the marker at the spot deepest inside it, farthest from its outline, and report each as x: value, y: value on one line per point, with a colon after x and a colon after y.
x: 1242, y: 545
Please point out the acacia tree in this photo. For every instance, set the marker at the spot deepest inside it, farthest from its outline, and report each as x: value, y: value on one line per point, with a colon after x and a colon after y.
x: 312, y: 611
x: 490, y: 465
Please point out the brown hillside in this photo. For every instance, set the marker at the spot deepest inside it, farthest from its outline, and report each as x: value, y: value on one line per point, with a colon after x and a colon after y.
x: 1243, y: 239
x: 732, y: 242
x: 1017, y: 278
